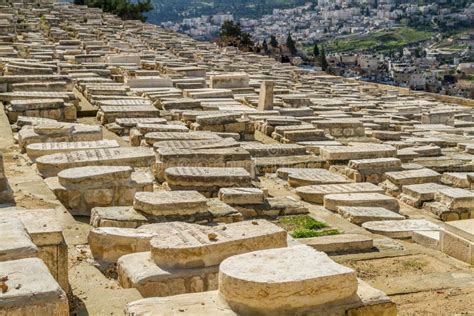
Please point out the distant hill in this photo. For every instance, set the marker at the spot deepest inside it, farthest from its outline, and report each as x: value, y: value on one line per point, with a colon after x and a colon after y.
x: 176, y: 10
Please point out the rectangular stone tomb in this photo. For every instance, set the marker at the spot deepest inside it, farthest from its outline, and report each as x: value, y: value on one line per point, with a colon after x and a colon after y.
x: 457, y: 240
x: 272, y: 282
x: 35, y: 233
x: 108, y: 114
x: 44, y: 108
x: 360, y: 215
x: 402, y: 229
x: 83, y: 188
x: 303, y: 177
x: 214, y: 157
x: 316, y: 193
x: 273, y: 150
x: 51, y: 165
x: 333, y: 201
x: 41, y: 149
x: 29, y: 289
x: 187, y: 259
x: 357, y: 151
x: 170, y: 203
x: 397, y: 179
x: 371, y: 170
x: 451, y: 204
x: 58, y: 132
x: 206, y: 180
x: 151, y: 138
x: 417, y: 194
x: 15, y: 242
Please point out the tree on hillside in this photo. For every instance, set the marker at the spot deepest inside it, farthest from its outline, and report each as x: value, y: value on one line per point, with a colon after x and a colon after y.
x: 265, y: 46
x: 273, y: 41
x: 125, y: 9
x: 315, y: 50
x: 322, y: 59
x: 290, y: 43
x: 232, y: 35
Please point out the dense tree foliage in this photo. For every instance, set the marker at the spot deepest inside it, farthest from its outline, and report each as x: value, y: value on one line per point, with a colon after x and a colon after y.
x: 273, y: 41
x: 322, y: 59
x: 291, y: 45
x: 231, y: 34
x: 315, y: 50
x: 125, y: 9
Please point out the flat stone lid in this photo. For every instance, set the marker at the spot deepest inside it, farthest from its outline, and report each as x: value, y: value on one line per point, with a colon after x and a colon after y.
x: 399, y: 228
x: 159, y: 203
x: 284, y: 278
x: 462, y: 228
x: 15, y: 243
x: 29, y: 283
x: 92, y: 173
x: 192, y: 245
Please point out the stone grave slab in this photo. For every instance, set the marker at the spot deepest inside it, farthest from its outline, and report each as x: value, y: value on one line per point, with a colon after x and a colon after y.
x: 357, y: 151
x: 333, y: 201
x: 249, y: 283
x: 360, y: 215
x: 339, y: 244
x: 30, y: 289
x: 195, y: 246
x: 401, y: 229
x: 15, y: 242
x: 170, y: 203
x: 316, y: 193
x: 303, y: 177
x: 457, y: 240
x: 206, y: 179
x: 41, y: 149
x: 51, y: 165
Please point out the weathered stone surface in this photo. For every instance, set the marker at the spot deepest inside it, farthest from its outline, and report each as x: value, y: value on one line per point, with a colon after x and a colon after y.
x: 40, y: 149
x: 333, y: 201
x: 242, y: 196
x: 15, y: 242
x: 360, y: 215
x: 457, y: 240
x: 342, y: 243
x: 316, y: 193
x: 303, y: 177
x: 206, y: 179
x: 357, y: 151
x: 30, y: 289
x: 400, y: 228
x: 250, y: 284
x: 194, y: 246
x: 170, y: 203
x: 51, y: 165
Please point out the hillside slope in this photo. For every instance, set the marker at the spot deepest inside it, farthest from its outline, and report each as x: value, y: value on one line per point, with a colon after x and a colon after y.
x: 175, y: 10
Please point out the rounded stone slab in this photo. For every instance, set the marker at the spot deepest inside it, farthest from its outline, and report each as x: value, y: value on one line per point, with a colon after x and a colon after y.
x: 283, y: 280
x: 53, y: 129
x: 196, y: 246
x: 85, y: 176
x: 316, y: 193
x: 399, y: 229
x: 333, y: 201
x: 170, y: 203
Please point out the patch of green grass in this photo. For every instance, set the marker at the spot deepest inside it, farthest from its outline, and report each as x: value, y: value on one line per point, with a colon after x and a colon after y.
x: 307, y: 233
x: 304, y: 226
x: 383, y: 40
x: 301, y: 221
